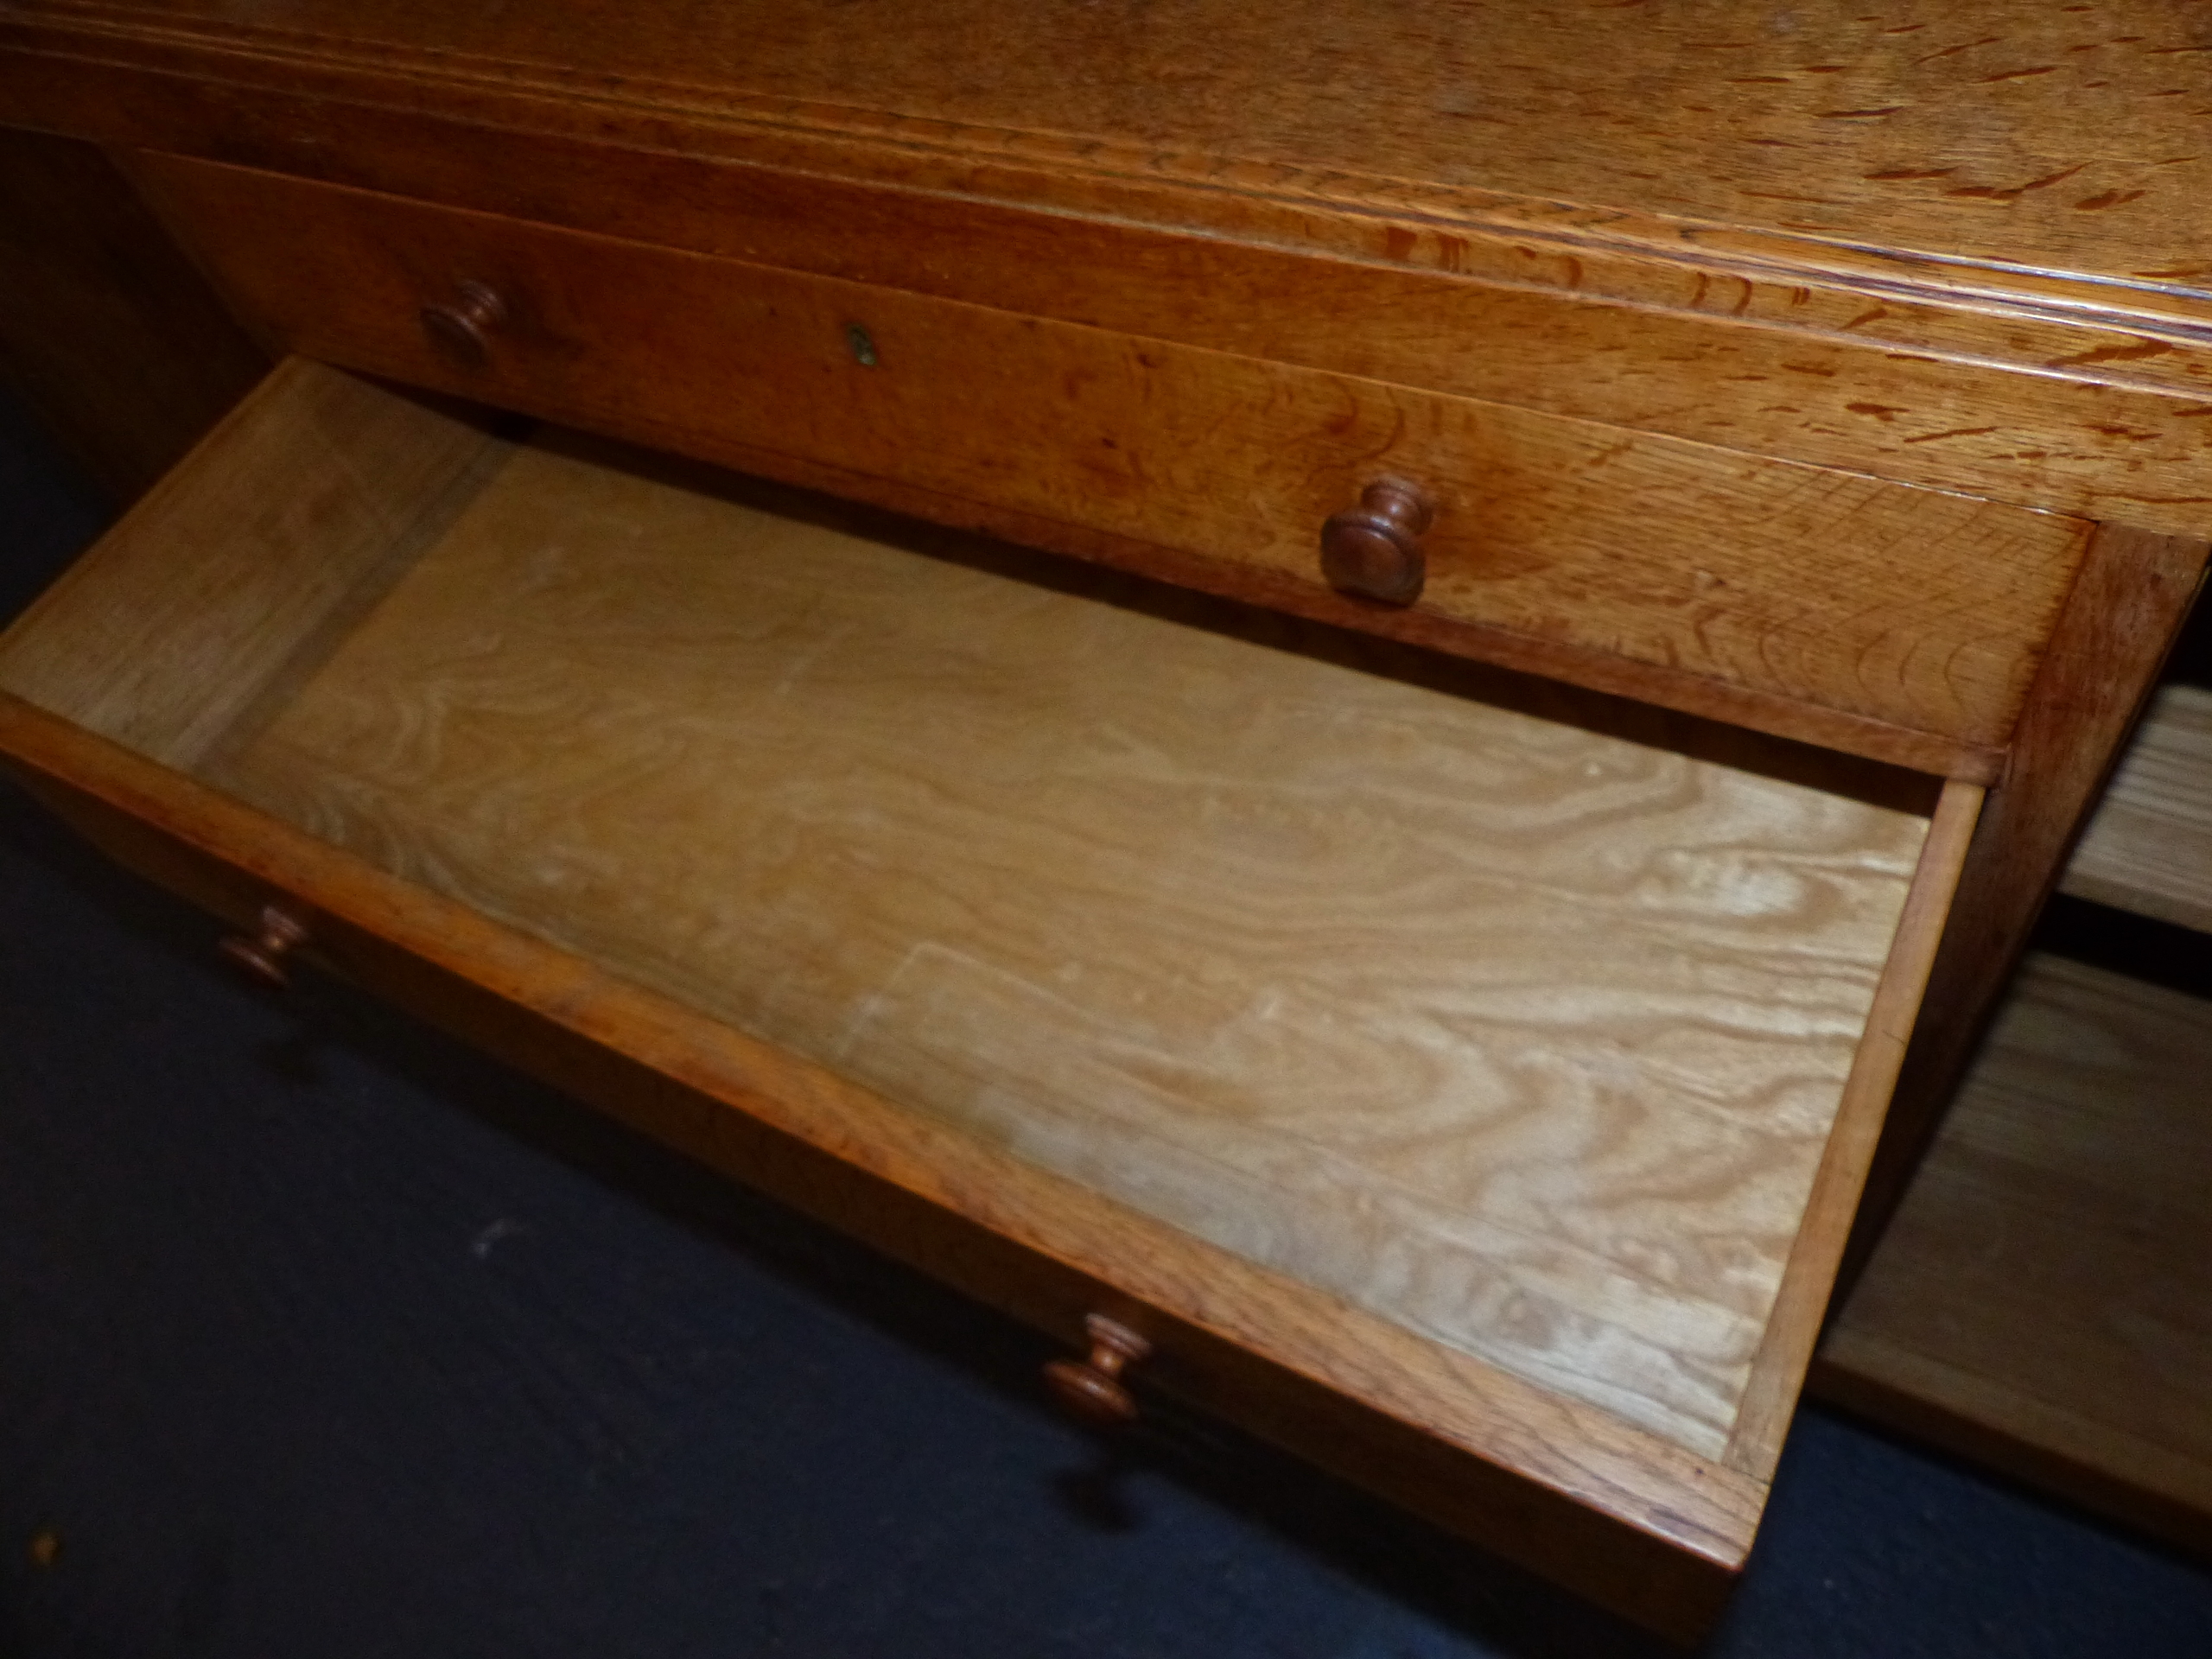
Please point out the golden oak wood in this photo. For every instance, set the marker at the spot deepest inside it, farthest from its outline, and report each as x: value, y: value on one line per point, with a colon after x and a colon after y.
x: 1848, y: 351
x: 1670, y: 554
x: 1841, y: 738
x: 2043, y: 1298
x: 2148, y: 848
x: 2108, y: 425
x: 1249, y: 942
x: 820, y: 649
x: 106, y: 331
x: 1787, y: 237
x: 1825, y: 123
x: 1119, y: 919
x: 1447, y: 1436
x: 1621, y: 1515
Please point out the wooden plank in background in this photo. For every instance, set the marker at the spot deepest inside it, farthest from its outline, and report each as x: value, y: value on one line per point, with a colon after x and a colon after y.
x: 2149, y: 847
x: 2044, y: 1300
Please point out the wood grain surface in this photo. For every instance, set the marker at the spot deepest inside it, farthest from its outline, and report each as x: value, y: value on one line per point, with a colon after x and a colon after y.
x: 1566, y: 1489
x: 2060, y: 138
x: 2148, y: 848
x: 2047, y: 1284
x: 317, y: 486
x: 1861, y: 347
x: 1524, y: 1038
x: 1801, y: 1304
x: 1199, y: 821
x: 2108, y: 421
x: 2089, y: 400
x: 1917, y: 609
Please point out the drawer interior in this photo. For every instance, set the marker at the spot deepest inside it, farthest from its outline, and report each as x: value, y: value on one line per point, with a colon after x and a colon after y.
x: 1517, y: 1018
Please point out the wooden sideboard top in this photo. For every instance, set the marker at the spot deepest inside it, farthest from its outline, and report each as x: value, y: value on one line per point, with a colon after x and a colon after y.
x: 1978, y: 141
x: 1952, y: 246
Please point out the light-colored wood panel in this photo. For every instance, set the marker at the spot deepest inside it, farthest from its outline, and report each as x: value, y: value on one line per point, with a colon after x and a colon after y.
x: 1564, y: 1488
x: 2048, y: 1280
x: 1524, y: 1037
x: 1920, y: 609
x: 1770, y: 1399
x: 2148, y: 848
x: 194, y: 605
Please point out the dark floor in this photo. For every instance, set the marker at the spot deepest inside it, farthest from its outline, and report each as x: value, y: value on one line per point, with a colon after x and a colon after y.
x: 319, y: 1335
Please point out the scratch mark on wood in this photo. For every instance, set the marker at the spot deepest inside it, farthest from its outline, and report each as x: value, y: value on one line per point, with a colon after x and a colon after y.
x: 1956, y: 432
x: 1953, y: 51
x: 1993, y: 192
x: 2113, y: 355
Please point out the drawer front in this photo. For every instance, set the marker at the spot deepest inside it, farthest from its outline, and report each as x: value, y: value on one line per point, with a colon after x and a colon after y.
x: 1588, y: 1514
x: 1897, y: 622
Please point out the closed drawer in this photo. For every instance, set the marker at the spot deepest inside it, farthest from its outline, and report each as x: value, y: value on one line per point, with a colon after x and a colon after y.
x: 1893, y: 621
x: 1465, y: 1082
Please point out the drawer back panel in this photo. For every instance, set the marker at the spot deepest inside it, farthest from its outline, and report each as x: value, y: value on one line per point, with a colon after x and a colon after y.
x: 1745, y: 586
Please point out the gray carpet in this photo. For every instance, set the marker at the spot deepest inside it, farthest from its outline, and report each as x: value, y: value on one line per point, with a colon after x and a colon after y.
x: 320, y: 1335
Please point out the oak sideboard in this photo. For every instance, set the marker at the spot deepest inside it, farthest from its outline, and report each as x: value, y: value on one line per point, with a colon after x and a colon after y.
x: 1357, y: 703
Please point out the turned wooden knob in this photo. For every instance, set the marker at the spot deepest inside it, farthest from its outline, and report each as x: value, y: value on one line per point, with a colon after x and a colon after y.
x: 263, y: 955
x: 1091, y: 1388
x: 462, y: 328
x: 1374, y: 549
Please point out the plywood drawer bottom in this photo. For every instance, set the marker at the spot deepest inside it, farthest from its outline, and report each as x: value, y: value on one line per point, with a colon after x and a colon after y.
x: 1463, y: 1082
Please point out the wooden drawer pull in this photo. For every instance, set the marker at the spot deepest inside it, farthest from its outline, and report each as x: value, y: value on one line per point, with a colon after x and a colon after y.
x: 1374, y: 549
x: 264, y: 955
x: 1091, y: 1388
x: 462, y: 328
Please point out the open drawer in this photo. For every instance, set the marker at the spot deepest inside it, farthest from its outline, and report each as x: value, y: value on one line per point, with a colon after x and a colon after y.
x: 1463, y: 1081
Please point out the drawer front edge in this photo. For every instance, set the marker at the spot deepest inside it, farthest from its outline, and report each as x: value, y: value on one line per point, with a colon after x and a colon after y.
x: 1615, y: 1514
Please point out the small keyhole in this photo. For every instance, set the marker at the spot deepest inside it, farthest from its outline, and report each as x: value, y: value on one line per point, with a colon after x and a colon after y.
x: 861, y: 345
